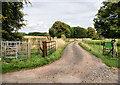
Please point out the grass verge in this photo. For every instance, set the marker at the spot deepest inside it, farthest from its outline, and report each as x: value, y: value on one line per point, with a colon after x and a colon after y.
x: 33, y: 62
x: 111, y: 62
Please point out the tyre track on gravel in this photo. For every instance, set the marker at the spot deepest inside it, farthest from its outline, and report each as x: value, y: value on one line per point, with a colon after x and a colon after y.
x: 76, y: 66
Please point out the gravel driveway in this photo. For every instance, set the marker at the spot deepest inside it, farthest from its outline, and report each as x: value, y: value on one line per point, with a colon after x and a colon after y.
x: 76, y: 66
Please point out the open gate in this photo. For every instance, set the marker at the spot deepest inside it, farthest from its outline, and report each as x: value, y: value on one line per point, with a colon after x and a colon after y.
x: 108, y: 48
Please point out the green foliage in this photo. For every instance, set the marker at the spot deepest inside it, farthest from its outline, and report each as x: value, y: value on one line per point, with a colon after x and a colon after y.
x: 38, y: 34
x: 107, y: 21
x: 91, y: 32
x: 63, y: 36
x: 15, y: 61
x: 78, y: 32
x: 101, y: 37
x: 95, y: 37
x: 52, y: 32
x: 12, y: 19
x: 55, y: 37
x: 58, y: 29
x: 22, y: 33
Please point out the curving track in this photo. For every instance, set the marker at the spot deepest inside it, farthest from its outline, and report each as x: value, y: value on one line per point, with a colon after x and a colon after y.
x: 76, y: 66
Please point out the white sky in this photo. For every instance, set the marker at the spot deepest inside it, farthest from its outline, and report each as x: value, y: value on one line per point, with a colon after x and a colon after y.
x: 43, y: 13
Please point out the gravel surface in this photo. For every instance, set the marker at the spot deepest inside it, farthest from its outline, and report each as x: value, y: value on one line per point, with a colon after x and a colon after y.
x: 76, y: 66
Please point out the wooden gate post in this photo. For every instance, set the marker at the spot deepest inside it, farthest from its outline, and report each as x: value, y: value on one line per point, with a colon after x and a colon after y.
x: 44, y: 48
x: 103, y: 48
x: 114, y: 49
x: 29, y: 48
x: 38, y: 46
x: 118, y: 50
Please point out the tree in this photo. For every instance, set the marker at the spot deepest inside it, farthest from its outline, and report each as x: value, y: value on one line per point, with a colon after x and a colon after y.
x: 91, y: 32
x: 38, y: 33
x: 12, y: 19
x: 72, y: 32
x: 78, y: 32
x: 58, y: 29
x: 107, y: 22
x: 63, y: 36
x: 22, y: 33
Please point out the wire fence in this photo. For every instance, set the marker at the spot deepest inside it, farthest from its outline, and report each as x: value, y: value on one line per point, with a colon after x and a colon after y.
x: 101, y: 46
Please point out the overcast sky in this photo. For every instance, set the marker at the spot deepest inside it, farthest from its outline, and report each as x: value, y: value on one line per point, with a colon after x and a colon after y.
x: 43, y: 13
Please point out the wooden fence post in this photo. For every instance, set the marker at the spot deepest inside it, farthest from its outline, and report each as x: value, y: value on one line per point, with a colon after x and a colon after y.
x: 38, y: 46
x: 1, y: 51
x: 55, y: 45
x: 94, y: 44
x: 29, y: 48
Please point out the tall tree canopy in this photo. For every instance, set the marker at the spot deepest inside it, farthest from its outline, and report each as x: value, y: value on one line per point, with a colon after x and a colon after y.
x: 12, y: 19
x: 91, y: 32
x: 107, y: 22
x: 58, y: 29
x: 78, y: 32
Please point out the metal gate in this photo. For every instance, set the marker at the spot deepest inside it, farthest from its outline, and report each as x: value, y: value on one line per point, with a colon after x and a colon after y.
x: 49, y: 48
x: 15, y: 49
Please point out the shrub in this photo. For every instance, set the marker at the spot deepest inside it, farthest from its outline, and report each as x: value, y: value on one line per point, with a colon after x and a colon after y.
x: 15, y: 61
x: 52, y: 57
x: 47, y: 59
x: 63, y: 37
x: 55, y: 37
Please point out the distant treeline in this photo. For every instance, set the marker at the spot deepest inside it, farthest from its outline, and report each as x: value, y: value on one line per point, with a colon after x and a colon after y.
x: 60, y: 28
x: 34, y: 33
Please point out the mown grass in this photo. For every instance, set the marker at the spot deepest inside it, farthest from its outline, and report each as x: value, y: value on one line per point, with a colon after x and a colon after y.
x: 33, y: 62
x: 111, y: 62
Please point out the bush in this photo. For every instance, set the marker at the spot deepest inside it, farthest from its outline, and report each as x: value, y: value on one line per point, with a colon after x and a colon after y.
x: 55, y: 37
x: 15, y: 61
x: 47, y: 59
x: 63, y: 37
x: 52, y: 57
